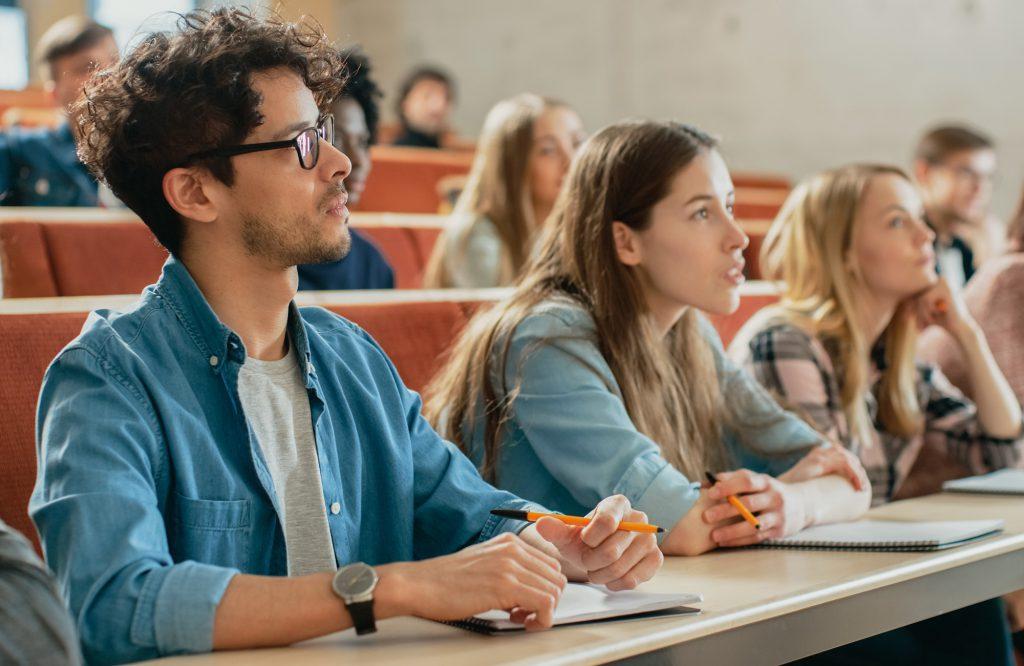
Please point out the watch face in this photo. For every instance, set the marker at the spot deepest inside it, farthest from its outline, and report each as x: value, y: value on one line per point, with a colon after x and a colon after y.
x: 355, y: 580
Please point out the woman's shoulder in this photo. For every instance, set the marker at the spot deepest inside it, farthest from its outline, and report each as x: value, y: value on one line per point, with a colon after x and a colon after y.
x: 770, y: 336
x: 1003, y: 274
x: 558, y: 315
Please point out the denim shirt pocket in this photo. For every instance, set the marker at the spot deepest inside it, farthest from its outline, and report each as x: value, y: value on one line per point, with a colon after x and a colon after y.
x: 214, y: 532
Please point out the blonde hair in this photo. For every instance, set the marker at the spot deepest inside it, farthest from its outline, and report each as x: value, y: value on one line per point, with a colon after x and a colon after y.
x: 497, y: 189
x: 808, y: 251
x: 668, y: 384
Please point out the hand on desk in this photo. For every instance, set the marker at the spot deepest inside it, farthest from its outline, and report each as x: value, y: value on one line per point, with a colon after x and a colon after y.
x: 779, y: 507
x: 598, y: 552
x: 516, y: 574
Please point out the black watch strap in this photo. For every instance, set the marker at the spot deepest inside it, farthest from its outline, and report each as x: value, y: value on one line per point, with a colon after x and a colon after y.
x: 362, y: 617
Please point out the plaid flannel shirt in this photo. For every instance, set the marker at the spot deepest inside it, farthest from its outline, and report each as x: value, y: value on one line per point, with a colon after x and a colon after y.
x: 797, y: 368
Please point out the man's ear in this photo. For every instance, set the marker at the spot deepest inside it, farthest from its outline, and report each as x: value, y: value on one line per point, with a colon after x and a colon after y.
x: 186, y: 191
x: 627, y: 244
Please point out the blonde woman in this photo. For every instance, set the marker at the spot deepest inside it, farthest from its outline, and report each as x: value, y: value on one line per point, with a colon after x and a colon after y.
x: 854, y: 259
x: 523, y: 155
x: 598, y: 373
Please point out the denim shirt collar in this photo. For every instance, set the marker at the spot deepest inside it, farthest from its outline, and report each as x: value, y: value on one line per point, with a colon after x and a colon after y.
x: 213, y: 339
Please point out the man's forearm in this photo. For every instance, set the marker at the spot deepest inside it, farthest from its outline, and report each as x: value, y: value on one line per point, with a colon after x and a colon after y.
x: 264, y: 611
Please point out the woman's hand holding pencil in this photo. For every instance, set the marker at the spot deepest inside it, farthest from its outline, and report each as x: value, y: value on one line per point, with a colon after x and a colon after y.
x: 759, y: 506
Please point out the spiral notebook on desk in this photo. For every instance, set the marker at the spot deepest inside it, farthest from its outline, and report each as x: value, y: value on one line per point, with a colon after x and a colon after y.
x: 1003, y: 482
x: 889, y: 535
x: 589, y: 603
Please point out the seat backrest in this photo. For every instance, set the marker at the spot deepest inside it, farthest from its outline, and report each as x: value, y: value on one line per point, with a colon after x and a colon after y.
x: 28, y: 342
x: 407, y: 249
x: 405, y: 180
x: 42, y: 257
x: 62, y: 257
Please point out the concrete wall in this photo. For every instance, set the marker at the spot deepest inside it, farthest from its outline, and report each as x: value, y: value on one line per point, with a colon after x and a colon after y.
x: 791, y: 86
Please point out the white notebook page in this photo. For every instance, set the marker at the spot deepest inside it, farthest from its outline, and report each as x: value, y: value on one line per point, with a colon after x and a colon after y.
x: 892, y: 532
x: 580, y: 603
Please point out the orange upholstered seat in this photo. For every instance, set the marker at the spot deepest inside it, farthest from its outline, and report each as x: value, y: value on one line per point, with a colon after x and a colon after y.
x: 405, y: 180
x: 91, y: 252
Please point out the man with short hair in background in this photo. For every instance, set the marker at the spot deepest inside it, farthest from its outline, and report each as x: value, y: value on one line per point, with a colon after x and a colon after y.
x: 39, y: 166
x: 425, y: 102
x: 954, y: 166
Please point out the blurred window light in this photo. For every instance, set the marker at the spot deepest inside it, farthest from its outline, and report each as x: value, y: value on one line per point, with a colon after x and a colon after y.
x: 13, y: 49
x: 133, y: 19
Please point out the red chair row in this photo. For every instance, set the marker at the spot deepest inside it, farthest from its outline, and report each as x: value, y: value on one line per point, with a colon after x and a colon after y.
x: 415, y: 328
x: 81, y: 252
x: 47, y: 252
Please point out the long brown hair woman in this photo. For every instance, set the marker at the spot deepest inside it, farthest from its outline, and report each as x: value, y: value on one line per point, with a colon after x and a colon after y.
x: 599, y: 373
x: 524, y: 153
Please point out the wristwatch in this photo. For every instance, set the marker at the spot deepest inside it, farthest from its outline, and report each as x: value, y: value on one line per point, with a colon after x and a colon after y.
x: 355, y: 583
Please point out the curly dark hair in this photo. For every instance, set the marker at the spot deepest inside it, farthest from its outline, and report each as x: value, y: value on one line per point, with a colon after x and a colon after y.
x: 361, y: 88
x: 189, y: 90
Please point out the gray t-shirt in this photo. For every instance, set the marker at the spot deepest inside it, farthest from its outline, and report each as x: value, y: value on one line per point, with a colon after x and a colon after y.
x: 275, y: 401
x: 35, y: 627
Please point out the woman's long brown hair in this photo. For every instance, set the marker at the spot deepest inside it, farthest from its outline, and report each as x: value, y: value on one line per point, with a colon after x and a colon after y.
x: 497, y: 189
x: 668, y: 383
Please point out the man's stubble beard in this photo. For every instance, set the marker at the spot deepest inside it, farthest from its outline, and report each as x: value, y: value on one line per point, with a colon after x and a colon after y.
x: 302, y: 246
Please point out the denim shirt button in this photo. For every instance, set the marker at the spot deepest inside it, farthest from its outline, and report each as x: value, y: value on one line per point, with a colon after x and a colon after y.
x: 336, y: 508
x: 214, y: 361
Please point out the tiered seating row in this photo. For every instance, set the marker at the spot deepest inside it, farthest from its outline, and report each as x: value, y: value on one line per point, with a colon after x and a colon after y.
x: 415, y: 328
x: 85, y: 252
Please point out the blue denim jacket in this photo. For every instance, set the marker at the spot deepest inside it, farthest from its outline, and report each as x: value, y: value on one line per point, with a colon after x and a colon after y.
x: 571, y: 441
x: 152, y: 491
x: 39, y: 167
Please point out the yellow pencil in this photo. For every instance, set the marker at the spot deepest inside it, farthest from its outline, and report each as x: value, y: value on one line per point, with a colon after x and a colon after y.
x: 738, y: 505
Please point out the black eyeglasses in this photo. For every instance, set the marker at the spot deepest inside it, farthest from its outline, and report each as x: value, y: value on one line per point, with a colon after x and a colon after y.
x: 306, y: 145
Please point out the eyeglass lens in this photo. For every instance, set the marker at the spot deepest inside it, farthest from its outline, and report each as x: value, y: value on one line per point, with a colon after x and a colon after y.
x: 309, y: 142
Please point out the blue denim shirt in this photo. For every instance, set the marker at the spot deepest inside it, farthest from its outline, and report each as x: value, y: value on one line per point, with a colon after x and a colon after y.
x: 571, y: 441
x: 152, y: 491
x: 39, y: 167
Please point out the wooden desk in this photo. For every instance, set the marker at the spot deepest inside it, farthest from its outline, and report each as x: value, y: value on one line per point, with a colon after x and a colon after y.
x: 760, y: 606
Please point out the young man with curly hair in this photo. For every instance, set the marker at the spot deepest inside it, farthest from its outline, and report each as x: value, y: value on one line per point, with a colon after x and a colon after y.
x: 221, y: 469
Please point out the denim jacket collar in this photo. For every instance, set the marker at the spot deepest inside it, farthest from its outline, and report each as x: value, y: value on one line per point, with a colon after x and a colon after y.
x: 213, y: 339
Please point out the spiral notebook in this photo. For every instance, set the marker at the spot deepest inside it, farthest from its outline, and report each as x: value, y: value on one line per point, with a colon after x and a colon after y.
x: 890, y: 535
x: 589, y: 603
x: 1003, y: 482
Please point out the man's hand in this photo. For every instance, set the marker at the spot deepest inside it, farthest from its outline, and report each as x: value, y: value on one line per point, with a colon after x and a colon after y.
x: 505, y: 573
x: 599, y: 553
x: 779, y: 508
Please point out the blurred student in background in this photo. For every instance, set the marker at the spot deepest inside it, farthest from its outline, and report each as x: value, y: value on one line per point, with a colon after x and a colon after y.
x: 525, y: 149
x: 39, y: 166
x: 995, y: 298
x: 424, y: 106
x: 954, y: 166
x: 356, y: 115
